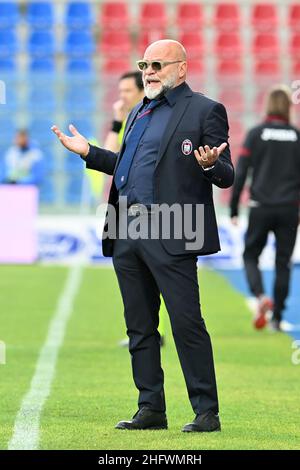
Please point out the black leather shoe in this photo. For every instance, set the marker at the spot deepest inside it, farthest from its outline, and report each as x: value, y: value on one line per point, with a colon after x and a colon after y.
x: 145, y: 419
x: 207, y: 422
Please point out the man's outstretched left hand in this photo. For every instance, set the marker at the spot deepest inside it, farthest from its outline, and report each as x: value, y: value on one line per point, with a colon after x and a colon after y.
x: 207, y: 157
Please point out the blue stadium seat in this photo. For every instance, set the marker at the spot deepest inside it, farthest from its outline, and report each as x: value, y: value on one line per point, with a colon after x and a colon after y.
x: 11, y: 97
x: 83, y: 102
x: 7, y: 65
x: 73, y: 164
x: 9, y: 71
x: 40, y: 15
x: 3, y: 149
x: 73, y: 187
x: 79, y: 15
x: 83, y: 125
x: 9, y: 14
x: 50, y: 164
x: 8, y: 44
x: 8, y: 130
x: 41, y: 44
x: 79, y: 44
x: 80, y: 72
x: 40, y: 130
x: 42, y: 66
x: 84, y: 66
x: 47, y: 190
x: 42, y: 99
x: 2, y: 167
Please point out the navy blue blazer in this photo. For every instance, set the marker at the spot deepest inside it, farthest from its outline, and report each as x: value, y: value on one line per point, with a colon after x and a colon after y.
x: 178, y: 178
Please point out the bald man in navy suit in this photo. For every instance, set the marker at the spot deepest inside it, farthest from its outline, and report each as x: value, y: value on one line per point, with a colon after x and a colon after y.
x: 175, y: 147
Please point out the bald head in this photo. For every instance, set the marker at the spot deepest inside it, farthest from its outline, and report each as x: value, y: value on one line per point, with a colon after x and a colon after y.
x: 166, y: 48
x: 172, y: 56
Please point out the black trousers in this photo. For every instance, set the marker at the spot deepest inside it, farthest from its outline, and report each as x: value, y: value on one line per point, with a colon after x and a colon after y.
x: 283, y: 222
x: 144, y: 270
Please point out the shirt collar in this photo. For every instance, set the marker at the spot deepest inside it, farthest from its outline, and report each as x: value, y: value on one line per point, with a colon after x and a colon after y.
x: 171, y: 95
x: 275, y: 117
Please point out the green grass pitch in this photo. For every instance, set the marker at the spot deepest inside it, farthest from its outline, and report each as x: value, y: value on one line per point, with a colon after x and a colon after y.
x: 93, y: 388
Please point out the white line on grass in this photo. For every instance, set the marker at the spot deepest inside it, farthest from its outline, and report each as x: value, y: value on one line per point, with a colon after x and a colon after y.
x: 27, y: 423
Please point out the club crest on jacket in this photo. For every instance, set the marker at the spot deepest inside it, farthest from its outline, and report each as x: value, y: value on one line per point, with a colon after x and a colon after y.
x: 186, y: 147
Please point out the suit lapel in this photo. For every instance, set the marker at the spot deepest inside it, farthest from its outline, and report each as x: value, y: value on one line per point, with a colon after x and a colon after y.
x: 177, y: 113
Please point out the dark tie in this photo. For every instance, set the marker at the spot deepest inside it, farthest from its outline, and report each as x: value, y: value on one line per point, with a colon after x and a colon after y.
x: 132, y: 142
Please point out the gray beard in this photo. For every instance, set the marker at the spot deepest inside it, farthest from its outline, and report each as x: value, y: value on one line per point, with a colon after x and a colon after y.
x: 152, y: 94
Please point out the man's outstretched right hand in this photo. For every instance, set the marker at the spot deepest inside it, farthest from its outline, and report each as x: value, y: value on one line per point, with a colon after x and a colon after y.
x: 77, y: 143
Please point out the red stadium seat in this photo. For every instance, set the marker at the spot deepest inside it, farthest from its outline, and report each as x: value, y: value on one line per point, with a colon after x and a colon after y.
x: 236, y: 130
x: 193, y: 43
x: 114, y: 15
x: 266, y: 45
x: 231, y: 70
x: 227, y: 16
x: 115, y: 44
x: 228, y: 45
x: 295, y: 46
x: 189, y: 16
x: 153, y: 16
x: 147, y: 37
x: 233, y: 100
x: 295, y: 69
x: 235, y: 148
x: 259, y: 102
x: 110, y: 94
x: 267, y: 70
x: 296, y: 121
x: 294, y: 16
x: 264, y: 17
x: 195, y: 67
x: 116, y: 67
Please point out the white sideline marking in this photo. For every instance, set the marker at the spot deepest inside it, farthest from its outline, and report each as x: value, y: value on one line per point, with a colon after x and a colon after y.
x: 27, y: 423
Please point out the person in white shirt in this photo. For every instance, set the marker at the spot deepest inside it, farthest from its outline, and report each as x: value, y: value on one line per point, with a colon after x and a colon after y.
x: 23, y: 161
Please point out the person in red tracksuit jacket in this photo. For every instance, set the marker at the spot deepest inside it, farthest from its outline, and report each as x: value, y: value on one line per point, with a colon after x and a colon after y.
x: 272, y: 152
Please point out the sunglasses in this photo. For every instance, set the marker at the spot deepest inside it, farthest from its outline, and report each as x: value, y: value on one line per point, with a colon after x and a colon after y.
x: 156, y: 65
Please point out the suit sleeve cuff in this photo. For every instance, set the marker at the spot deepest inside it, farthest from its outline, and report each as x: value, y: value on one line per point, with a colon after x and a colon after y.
x: 90, y: 155
x: 208, y: 168
x: 209, y: 172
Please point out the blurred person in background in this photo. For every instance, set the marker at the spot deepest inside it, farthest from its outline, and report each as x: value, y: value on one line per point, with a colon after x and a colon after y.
x: 131, y: 92
x: 23, y: 161
x: 272, y: 152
